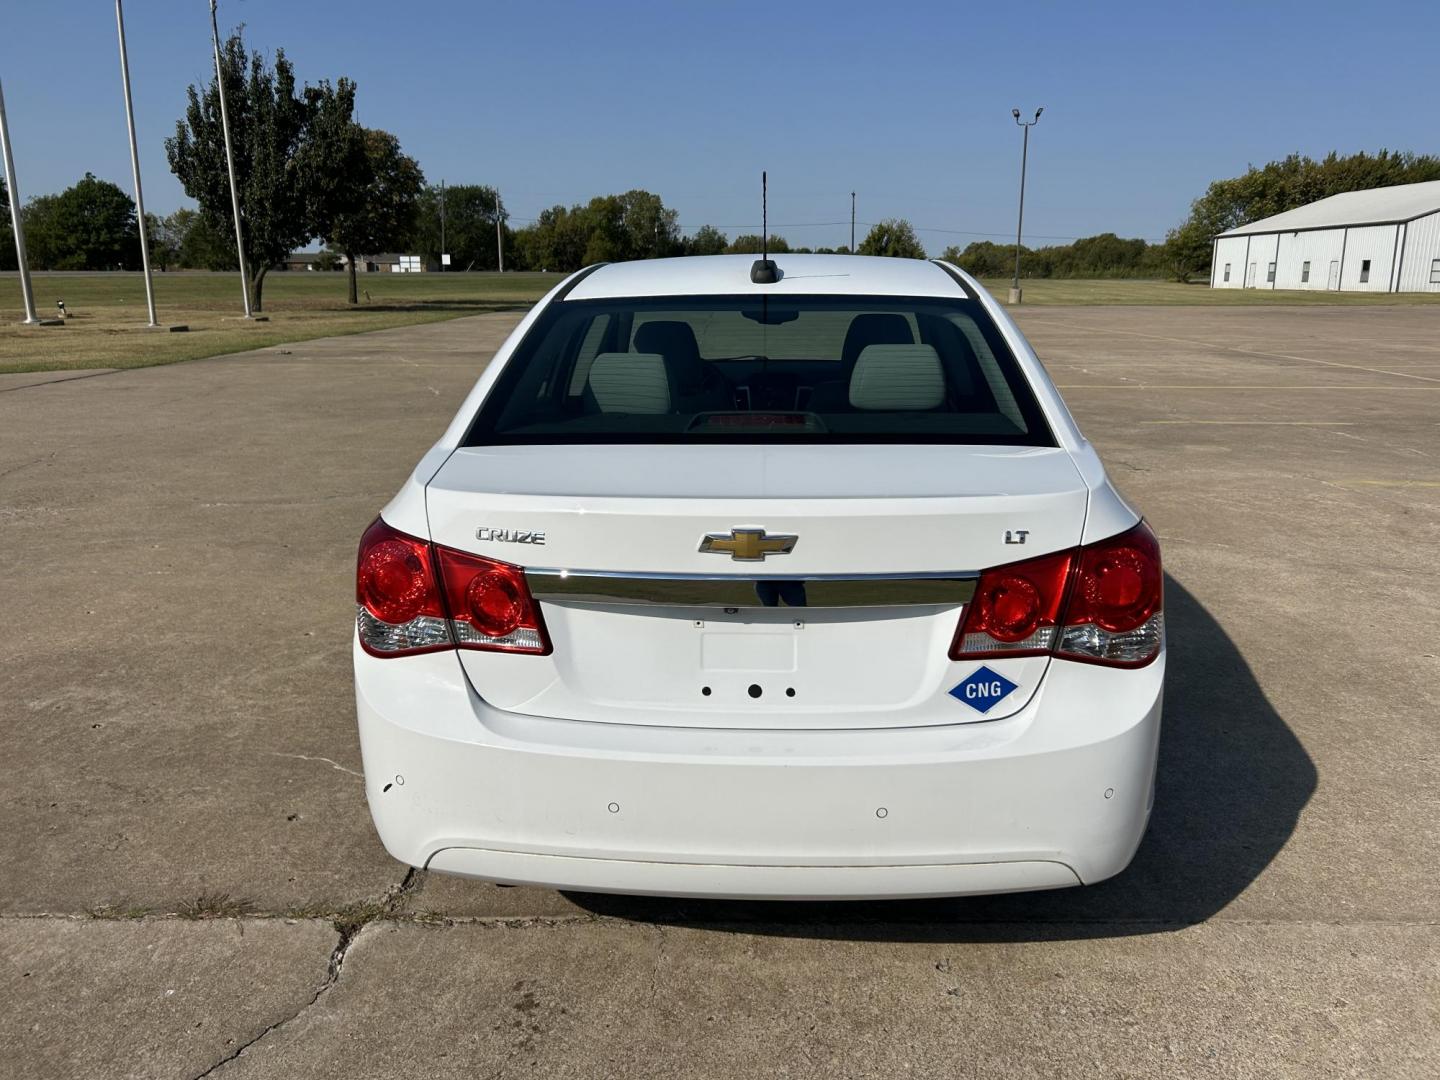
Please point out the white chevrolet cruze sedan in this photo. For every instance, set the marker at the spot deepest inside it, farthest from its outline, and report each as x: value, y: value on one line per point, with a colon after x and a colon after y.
x: 795, y: 582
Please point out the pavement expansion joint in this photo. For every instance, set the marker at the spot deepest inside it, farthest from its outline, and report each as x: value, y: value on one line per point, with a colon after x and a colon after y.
x: 348, y: 928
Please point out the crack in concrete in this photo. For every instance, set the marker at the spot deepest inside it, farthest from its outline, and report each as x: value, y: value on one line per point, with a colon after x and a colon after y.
x: 347, y: 931
x: 52, y: 382
x: 28, y: 464
x: 326, y: 760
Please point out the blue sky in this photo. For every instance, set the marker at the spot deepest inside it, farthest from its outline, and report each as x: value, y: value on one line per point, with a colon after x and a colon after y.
x: 906, y: 103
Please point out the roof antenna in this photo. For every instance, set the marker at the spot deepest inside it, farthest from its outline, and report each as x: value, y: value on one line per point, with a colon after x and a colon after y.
x: 763, y: 270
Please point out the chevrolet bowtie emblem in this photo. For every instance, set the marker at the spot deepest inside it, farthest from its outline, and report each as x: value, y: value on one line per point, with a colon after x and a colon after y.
x: 748, y: 545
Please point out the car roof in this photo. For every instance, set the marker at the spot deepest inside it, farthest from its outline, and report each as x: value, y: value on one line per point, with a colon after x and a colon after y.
x: 722, y: 275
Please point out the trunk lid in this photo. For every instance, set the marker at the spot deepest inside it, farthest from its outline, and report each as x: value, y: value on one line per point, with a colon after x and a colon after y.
x: 628, y: 512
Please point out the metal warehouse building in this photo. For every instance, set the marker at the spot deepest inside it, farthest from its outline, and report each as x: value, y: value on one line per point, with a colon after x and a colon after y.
x: 1381, y: 240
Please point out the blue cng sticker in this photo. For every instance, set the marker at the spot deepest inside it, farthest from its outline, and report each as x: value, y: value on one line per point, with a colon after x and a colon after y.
x: 982, y: 689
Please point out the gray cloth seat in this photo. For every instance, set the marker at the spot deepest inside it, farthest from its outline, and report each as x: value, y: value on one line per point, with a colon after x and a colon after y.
x: 695, y: 385
x: 871, y: 328
x: 897, y: 378
x: 634, y: 383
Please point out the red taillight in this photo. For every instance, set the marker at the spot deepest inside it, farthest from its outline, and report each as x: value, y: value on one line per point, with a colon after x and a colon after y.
x: 1015, y: 609
x: 490, y: 604
x: 413, y: 596
x: 1100, y: 603
x: 397, y: 594
x: 393, y: 580
x: 1114, y: 612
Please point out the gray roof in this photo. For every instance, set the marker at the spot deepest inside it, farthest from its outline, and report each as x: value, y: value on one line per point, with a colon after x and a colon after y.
x: 1376, y: 206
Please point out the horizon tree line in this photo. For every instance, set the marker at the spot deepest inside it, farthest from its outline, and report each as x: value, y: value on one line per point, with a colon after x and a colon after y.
x: 308, y: 171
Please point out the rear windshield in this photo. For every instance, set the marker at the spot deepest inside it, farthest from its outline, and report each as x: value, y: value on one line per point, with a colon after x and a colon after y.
x: 762, y: 369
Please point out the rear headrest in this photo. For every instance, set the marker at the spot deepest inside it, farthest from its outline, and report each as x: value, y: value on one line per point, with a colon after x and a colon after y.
x: 630, y: 383
x: 897, y: 378
x: 874, y: 328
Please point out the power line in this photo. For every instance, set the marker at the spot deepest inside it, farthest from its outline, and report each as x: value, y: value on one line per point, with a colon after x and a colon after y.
x: 755, y: 225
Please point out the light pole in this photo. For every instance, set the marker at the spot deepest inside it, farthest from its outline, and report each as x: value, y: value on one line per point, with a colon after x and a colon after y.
x: 230, y: 164
x: 135, y: 166
x: 852, y: 223
x: 499, y: 235
x: 1020, y: 225
x: 31, y: 319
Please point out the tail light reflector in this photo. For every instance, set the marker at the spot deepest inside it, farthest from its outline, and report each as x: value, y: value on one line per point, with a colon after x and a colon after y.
x: 1100, y: 603
x: 1015, y: 610
x: 397, y: 595
x: 412, y: 597
x: 490, y: 605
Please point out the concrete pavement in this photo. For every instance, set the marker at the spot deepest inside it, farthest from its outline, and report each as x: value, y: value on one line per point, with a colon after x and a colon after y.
x: 183, y: 810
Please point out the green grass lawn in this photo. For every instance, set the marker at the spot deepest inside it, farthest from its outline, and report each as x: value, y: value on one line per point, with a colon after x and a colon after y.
x: 107, y: 327
x: 107, y: 324
x: 1117, y: 291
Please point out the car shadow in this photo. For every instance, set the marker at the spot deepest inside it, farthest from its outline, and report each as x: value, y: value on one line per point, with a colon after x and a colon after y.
x: 1232, y: 780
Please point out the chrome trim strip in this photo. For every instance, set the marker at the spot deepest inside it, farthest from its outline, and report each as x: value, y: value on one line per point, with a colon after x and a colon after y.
x: 946, y: 589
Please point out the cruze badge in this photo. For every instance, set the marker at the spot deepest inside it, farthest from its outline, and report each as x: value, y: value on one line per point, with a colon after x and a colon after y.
x: 748, y: 545
x: 509, y: 536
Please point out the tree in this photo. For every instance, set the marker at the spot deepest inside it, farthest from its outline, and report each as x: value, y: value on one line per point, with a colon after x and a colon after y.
x: 7, y: 234
x: 609, y: 228
x: 635, y: 225
x: 293, y: 151
x: 1102, y: 256
x: 651, y: 227
x: 198, y: 244
x: 894, y: 237
x: 470, y: 214
x: 750, y: 244
x: 385, y: 214
x: 555, y: 241
x: 88, y: 226
x: 706, y: 240
x: 41, y: 232
x: 164, y: 245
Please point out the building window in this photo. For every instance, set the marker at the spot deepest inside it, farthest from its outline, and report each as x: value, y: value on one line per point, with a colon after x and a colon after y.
x: 1270, y: 273
x: 1305, y: 271
x: 1432, y: 271
x: 1364, y: 271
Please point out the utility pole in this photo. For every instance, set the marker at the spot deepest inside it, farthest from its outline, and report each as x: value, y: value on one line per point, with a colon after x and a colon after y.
x: 852, y: 223
x: 31, y: 319
x: 230, y: 164
x: 1020, y: 225
x: 135, y: 167
x: 499, y: 235
x: 442, y: 226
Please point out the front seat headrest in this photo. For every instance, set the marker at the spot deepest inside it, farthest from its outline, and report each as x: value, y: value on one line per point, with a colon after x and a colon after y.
x: 875, y: 328
x: 630, y: 383
x: 897, y: 378
x: 675, y: 341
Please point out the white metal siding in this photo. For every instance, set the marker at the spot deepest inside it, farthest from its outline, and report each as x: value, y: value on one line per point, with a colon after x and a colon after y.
x: 1259, y: 254
x: 1373, y: 242
x: 1265, y: 250
x: 1421, y: 239
x: 1230, y: 249
x: 1319, y: 247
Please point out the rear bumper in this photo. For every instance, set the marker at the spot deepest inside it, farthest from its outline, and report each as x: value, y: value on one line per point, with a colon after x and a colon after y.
x: 1057, y: 794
